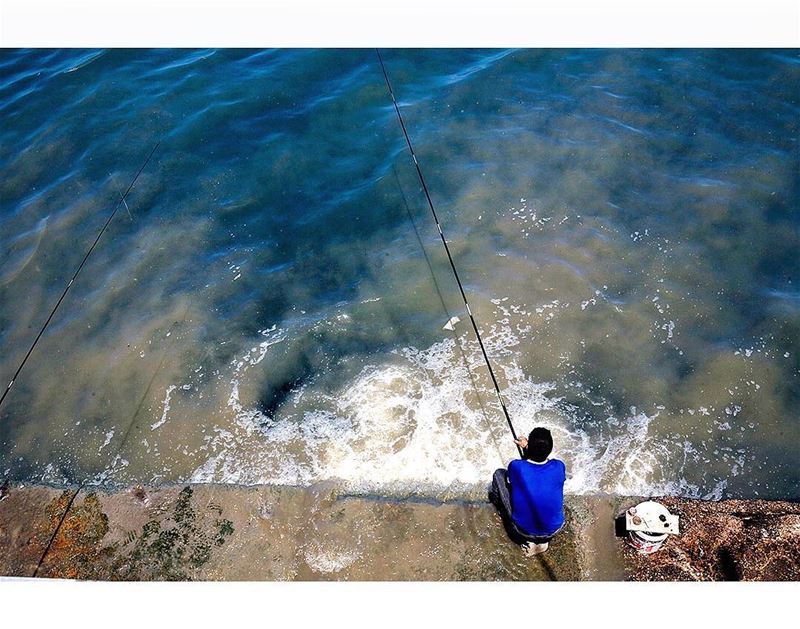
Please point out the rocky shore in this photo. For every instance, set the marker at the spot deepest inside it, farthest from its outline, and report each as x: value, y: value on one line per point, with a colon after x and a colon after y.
x: 225, y: 532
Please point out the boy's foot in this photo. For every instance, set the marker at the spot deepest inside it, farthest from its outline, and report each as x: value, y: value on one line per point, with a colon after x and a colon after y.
x: 530, y: 549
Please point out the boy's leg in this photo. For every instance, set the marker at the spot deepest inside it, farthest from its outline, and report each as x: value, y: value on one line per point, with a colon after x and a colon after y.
x: 500, y: 495
x: 500, y: 490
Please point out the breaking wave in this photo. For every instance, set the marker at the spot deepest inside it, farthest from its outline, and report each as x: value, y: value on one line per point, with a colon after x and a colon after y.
x: 415, y: 424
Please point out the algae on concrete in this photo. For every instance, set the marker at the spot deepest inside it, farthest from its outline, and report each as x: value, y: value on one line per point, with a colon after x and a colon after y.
x: 225, y: 532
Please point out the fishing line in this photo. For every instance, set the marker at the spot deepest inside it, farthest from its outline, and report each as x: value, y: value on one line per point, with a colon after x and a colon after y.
x: 86, y: 482
x: 68, y: 508
x: 75, y: 275
x: 119, y: 449
x: 58, y: 528
x: 457, y: 338
x: 447, y: 250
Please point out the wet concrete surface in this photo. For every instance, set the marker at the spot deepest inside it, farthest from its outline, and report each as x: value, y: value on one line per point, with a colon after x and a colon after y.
x: 225, y: 532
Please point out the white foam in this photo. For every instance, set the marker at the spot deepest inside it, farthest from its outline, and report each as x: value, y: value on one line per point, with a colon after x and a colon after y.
x: 116, y: 466
x: 410, y: 423
x: 165, y: 407
x: 109, y: 437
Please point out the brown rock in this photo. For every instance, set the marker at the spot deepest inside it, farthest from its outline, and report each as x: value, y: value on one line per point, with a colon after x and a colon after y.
x: 729, y: 540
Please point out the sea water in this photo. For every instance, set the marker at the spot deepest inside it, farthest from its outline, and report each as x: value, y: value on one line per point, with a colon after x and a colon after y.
x: 268, y: 305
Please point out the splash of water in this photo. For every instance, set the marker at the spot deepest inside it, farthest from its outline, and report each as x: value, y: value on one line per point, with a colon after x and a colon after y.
x: 412, y: 425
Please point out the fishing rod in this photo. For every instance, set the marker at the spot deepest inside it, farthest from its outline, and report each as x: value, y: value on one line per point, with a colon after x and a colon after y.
x: 447, y: 250
x: 75, y: 275
x: 446, y: 310
x: 121, y: 202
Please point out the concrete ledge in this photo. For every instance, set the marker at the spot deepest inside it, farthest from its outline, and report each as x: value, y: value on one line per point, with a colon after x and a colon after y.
x: 224, y: 532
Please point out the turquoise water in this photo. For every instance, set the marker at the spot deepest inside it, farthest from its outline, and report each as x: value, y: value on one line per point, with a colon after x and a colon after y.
x: 626, y: 224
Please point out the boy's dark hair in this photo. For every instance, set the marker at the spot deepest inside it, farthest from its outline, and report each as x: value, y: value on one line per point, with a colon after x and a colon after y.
x: 540, y: 444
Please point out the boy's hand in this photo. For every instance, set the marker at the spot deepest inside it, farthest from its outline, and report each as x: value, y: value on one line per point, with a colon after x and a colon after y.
x: 522, y: 442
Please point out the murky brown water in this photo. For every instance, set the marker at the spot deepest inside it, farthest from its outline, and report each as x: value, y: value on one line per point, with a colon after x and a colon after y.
x: 624, y: 221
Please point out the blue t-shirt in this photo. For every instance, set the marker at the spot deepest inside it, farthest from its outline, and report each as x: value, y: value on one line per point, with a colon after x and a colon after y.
x: 537, y: 495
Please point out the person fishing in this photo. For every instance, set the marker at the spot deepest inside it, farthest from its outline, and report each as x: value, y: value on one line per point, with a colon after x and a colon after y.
x: 530, y: 495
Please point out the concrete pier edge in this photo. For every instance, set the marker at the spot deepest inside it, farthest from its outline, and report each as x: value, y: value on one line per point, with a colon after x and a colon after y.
x: 265, y: 532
